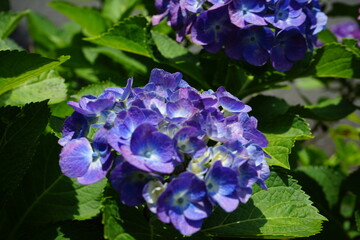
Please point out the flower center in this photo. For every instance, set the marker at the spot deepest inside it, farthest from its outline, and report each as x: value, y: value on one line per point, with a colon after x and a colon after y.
x: 147, y: 154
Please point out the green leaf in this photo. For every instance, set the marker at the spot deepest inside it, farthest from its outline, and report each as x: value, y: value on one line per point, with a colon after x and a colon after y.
x: 309, y: 83
x: 131, y: 64
x: 130, y: 35
x: 357, y: 220
x: 327, y: 110
x: 117, y: 9
x: 89, y: 19
x: 48, y: 85
x: 283, y: 211
x: 9, y: 21
x: 282, y: 133
x: 113, y: 229
x: 56, y: 125
x: 329, y: 180
x: 18, y: 67
x: 312, y: 155
x: 178, y: 57
x: 336, y: 60
x: 47, y: 196
x: 19, y: 129
x: 340, y: 9
x: 9, y: 44
x: 326, y: 36
x: 44, y: 32
x: 266, y: 108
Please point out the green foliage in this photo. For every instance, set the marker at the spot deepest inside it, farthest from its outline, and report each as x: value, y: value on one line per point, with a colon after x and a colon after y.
x: 329, y: 180
x: 283, y: 211
x: 49, y: 85
x: 118, y: 9
x: 8, y: 22
x: 46, y: 195
x: 130, y: 35
x: 20, y: 129
x: 112, y: 222
x: 327, y: 110
x: 18, y: 67
x: 89, y: 19
x: 336, y: 60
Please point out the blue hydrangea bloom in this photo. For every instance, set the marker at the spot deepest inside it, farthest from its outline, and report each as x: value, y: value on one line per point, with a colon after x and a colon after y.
x: 150, y: 150
x: 184, y: 203
x: 243, y: 12
x: 129, y: 181
x: 212, y: 28
x: 252, y: 45
x: 290, y: 46
x: 244, y: 28
x: 221, y: 184
x: 161, y: 135
x: 87, y: 162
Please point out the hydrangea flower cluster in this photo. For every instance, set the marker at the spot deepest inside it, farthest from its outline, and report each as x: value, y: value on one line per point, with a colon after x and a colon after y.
x: 254, y: 31
x: 178, y: 150
x: 349, y: 29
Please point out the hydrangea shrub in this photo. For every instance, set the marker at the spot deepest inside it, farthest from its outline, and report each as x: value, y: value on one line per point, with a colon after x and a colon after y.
x: 178, y: 150
x: 279, y: 31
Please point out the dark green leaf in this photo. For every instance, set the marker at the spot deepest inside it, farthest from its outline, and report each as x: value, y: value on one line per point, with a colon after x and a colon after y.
x: 18, y: 67
x: 178, y: 56
x: 265, y: 108
x: 89, y: 19
x: 47, y: 196
x: 56, y: 124
x: 357, y: 220
x: 326, y: 36
x: 69, y: 230
x: 130, y: 64
x: 130, y: 35
x: 282, y: 132
x: 336, y: 60
x: 8, y: 22
x: 340, y: 9
x: 327, y: 110
x: 5, y: 5
x: 117, y: 9
x: 329, y: 180
x: 20, y: 129
x: 283, y: 211
x: 113, y: 229
x: 48, y: 85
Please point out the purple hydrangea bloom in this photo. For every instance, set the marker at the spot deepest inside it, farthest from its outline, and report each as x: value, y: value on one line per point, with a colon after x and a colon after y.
x: 221, y: 184
x: 243, y: 12
x: 162, y: 134
x: 184, y: 203
x: 211, y: 28
x: 348, y: 29
x: 150, y: 150
x: 244, y: 28
x: 290, y: 46
x: 129, y: 181
x: 87, y: 162
x: 251, y: 44
x: 285, y: 15
x: 75, y: 126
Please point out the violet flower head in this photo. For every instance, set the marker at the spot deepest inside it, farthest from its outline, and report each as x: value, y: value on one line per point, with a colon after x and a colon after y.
x: 290, y: 46
x: 211, y: 28
x: 243, y: 28
x: 184, y: 203
x: 163, y: 136
x: 87, y: 162
x: 252, y: 44
x: 243, y: 12
x: 348, y: 29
